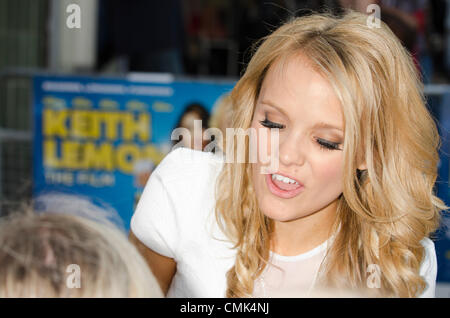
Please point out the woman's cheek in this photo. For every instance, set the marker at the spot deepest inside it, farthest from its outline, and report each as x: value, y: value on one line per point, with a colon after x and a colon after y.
x: 329, y: 170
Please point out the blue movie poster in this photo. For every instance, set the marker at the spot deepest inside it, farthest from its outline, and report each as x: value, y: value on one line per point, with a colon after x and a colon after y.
x: 101, y: 138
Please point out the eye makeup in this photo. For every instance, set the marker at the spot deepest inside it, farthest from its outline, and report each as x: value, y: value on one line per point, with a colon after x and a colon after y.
x: 270, y: 124
x: 323, y: 144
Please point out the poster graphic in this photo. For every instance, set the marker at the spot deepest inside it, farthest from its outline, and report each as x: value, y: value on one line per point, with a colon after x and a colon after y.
x: 102, y: 137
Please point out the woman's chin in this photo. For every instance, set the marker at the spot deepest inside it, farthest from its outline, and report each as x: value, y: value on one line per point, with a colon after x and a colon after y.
x: 283, y: 214
x: 280, y: 217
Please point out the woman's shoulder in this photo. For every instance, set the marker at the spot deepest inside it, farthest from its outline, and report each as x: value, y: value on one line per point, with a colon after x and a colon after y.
x: 189, y: 179
x: 188, y: 162
x: 429, y: 258
x: 428, y: 244
x: 176, y: 201
x: 428, y: 268
x: 430, y: 251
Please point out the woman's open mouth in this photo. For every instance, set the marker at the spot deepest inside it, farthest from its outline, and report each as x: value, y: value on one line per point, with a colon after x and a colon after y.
x: 282, y: 186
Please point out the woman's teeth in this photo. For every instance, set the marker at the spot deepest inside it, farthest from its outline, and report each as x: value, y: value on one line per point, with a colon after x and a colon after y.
x: 283, y: 179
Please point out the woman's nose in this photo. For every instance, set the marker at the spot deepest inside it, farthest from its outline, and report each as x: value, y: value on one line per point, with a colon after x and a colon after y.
x: 292, y: 149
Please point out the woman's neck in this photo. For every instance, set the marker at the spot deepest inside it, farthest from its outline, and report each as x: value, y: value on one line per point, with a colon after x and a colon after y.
x: 302, y: 235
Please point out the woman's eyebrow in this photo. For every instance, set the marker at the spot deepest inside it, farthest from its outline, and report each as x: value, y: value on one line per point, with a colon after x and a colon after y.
x: 325, y: 125
x: 271, y: 104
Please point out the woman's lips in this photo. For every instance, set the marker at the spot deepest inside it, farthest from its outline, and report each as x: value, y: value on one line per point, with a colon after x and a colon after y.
x: 287, y: 191
x: 285, y: 186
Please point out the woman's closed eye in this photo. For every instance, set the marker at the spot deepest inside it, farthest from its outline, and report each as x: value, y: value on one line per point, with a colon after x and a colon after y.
x: 270, y: 124
x: 328, y: 145
x: 323, y: 144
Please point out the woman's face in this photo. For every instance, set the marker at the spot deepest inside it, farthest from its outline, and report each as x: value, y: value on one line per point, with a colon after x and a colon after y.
x: 302, y: 104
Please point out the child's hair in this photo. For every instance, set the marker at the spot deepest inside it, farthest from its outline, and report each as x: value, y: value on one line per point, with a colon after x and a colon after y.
x: 385, y: 211
x: 63, y: 255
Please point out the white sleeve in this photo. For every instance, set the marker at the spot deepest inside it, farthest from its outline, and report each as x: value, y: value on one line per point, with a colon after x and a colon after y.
x: 154, y: 221
x: 428, y: 269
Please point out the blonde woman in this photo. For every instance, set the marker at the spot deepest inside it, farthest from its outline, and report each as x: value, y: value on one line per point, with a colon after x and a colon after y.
x: 63, y: 255
x: 351, y: 205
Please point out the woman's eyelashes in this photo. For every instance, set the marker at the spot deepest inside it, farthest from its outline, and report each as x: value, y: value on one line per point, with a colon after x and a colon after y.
x: 328, y: 145
x: 270, y: 124
x: 323, y: 144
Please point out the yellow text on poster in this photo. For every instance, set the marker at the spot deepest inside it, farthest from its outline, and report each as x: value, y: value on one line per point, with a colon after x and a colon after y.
x: 88, y: 124
x: 96, y: 140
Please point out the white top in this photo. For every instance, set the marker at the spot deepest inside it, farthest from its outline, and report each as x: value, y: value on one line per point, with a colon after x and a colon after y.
x: 290, y: 276
x: 175, y: 218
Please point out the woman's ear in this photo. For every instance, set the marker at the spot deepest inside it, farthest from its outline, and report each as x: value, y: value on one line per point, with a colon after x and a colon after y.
x: 362, y: 166
x: 361, y: 161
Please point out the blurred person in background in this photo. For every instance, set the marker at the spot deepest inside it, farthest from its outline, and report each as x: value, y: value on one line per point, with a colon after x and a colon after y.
x: 60, y: 254
x: 145, y: 36
x: 190, y: 138
x: 410, y: 20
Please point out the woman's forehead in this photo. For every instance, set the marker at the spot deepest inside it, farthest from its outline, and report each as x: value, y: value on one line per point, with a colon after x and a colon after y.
x: 296, y: 87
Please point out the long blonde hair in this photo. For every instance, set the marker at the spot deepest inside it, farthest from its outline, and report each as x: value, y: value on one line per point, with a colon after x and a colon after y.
x: 385, y: 211
x: 41, y: 254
